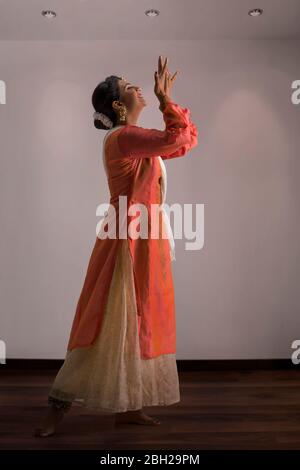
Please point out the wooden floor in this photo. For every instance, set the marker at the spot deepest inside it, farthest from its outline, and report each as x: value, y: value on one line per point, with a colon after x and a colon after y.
x: 218, y: 410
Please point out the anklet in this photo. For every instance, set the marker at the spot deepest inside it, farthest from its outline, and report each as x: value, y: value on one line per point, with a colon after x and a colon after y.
x: 59, y: 404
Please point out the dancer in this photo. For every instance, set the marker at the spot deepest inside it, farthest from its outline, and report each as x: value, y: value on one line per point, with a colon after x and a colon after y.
x: 121, y: 353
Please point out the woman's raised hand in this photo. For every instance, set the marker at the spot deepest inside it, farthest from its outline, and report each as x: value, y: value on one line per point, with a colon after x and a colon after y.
x: 163, y: 80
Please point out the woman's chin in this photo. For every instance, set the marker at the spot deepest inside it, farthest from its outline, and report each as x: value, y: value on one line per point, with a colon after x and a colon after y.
x: 143, y: 101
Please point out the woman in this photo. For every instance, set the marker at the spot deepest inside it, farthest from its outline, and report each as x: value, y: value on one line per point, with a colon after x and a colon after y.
x: 122, y: 345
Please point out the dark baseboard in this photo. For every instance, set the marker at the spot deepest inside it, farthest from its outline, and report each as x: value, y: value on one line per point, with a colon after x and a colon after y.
x: 182, y: 364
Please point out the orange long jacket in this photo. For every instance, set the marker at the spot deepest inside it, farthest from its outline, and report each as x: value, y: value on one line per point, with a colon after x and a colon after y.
x: 134, y: 170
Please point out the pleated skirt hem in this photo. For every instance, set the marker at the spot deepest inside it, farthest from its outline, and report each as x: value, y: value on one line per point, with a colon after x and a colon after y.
x: 110, y: 376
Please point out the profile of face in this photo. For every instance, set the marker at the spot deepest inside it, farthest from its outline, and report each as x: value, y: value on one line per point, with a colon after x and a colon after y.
x: 131, y: 97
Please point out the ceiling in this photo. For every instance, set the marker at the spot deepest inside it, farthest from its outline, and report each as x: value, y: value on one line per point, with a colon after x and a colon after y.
x: 125, y: 19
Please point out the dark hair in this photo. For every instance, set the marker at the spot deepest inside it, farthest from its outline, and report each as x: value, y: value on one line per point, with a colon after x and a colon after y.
x: 103, y: 96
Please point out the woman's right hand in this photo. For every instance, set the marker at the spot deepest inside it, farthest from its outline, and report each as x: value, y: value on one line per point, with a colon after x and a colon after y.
x: 163, y: 81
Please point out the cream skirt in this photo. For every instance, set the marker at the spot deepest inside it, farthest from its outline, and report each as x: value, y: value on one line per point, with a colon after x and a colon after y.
x: 110, y: 376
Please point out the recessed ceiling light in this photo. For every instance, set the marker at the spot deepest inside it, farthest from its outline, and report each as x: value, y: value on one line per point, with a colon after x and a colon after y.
x: 256, y: 12
x: 49, y: 14
x: 152, y: 12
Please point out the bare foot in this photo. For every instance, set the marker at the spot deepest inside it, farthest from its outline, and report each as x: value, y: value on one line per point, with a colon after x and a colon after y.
x: 53, y: 417
x: 136, y: 417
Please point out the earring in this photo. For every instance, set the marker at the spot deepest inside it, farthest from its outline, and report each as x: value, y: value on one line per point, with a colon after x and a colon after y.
x: 122, y: 114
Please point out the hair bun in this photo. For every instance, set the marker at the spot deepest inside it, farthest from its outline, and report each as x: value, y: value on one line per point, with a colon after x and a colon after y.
x: 103, y: 96
x: 104, y: 119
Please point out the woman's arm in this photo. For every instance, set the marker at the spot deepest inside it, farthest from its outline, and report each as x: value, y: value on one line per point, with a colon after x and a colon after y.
x: 176, y: 140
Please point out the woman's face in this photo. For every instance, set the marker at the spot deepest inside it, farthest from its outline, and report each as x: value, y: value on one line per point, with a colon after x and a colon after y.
x: 131, y: 96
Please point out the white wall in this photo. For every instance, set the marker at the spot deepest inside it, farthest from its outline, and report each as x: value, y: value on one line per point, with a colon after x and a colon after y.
x: 236, y: 298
